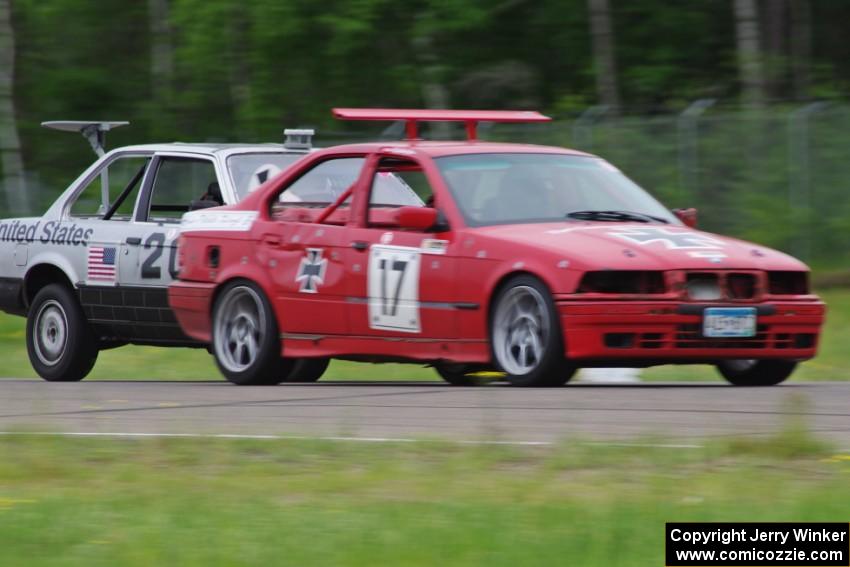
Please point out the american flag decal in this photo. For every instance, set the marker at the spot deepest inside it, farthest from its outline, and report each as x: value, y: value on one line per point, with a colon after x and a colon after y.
x: 102, y: 264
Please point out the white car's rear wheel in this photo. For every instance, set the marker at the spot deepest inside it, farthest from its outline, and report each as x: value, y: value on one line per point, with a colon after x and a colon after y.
x: 60, y: 342
x: 246, y: 342
x: 525, y: 335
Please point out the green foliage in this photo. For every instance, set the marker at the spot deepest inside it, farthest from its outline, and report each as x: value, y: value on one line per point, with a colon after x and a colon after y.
x: 243, y: 71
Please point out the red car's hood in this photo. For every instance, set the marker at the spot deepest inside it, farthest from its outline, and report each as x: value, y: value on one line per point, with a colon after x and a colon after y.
x: 631, y: 246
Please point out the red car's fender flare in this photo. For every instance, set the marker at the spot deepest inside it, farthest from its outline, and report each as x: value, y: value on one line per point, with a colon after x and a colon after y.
x: 510, y: 269
x: 248, y: 272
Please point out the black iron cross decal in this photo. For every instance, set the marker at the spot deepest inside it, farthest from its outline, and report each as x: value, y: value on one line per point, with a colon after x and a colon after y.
x: 670, y: 239
x: 311, y: 272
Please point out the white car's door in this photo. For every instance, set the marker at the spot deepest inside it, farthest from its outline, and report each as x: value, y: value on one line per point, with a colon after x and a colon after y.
x: 103, y: 227
x: 148, y: 261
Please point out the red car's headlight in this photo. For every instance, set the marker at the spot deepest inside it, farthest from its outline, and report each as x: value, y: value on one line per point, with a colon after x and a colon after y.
x: 788, y: 283
x: 622, y: 281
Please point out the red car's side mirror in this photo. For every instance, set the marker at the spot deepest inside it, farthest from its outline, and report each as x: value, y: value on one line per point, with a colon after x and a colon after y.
x: 687, y: 216
x: 416, y: 218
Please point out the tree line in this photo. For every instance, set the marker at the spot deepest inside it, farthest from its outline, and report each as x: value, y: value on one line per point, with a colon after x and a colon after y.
x: 241, y: 70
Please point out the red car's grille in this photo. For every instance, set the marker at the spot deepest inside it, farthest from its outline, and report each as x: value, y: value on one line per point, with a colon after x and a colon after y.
x: 689, y: 335
x: 741, y: 286
x: 719, y: 285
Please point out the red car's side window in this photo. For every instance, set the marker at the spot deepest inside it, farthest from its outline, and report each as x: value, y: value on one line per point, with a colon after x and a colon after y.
x: 397, y: 183
x: 304, y: 199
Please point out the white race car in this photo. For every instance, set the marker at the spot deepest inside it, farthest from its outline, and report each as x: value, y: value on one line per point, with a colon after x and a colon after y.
x: 92, y: 273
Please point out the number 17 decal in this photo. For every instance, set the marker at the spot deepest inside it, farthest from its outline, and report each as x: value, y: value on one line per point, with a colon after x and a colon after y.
x: 393, y: 287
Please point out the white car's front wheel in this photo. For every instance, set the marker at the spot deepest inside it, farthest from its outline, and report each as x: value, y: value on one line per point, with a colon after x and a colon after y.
x: 525, y: 335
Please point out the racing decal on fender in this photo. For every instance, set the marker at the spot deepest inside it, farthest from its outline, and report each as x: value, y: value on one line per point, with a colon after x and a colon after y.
x: 393, y: 287
x: 672, y: 240
x: 434, y: 246
x: 102, y: 265
x: 311, y: 272
x: 237, y: 221
x: 53, y: 232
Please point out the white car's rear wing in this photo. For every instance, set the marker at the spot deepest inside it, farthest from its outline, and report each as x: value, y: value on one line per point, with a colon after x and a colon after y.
x: 95, y: 133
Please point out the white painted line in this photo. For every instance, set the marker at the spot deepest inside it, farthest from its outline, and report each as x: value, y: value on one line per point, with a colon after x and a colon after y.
x: 609, y: 376
x: 121, y: 434
x: 257, y: 436
x: 645, y: 445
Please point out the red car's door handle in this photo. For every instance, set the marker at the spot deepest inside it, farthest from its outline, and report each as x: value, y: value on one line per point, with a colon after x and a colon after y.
x: 271, y: 240
x: 360, y: 245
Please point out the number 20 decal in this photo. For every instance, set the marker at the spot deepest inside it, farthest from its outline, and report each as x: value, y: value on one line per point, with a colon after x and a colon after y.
x: 393, y: 286
x: 150, y: 269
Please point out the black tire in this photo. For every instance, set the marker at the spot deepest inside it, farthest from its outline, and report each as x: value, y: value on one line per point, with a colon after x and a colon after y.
x: 307, y: 369
x: 756, y: 372
x: 60, y: 342
x: 245, y: 337
x: 546, y: 365
x: 461, y: 374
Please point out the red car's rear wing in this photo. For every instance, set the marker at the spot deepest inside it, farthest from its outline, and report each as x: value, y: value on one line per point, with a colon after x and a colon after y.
x: 412, y: 116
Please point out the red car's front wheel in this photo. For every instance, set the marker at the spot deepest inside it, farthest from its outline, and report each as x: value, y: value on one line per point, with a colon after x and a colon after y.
x: 525, y: 335
x: 745, y: 372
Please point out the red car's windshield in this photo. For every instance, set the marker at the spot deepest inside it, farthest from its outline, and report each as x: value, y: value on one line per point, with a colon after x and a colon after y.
x: 521, y: 188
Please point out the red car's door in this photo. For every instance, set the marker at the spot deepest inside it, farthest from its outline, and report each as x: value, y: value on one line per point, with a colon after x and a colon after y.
x: 401, y: 282
x: 308, y: 258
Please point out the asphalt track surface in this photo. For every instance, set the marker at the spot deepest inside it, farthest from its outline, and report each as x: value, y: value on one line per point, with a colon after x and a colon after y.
x: 678, y: 415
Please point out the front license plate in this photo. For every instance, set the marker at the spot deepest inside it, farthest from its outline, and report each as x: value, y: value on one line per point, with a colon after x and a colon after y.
x: 729, y: 322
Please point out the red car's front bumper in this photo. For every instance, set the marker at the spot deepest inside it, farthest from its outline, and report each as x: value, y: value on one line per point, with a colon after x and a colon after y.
x: 670, y: 331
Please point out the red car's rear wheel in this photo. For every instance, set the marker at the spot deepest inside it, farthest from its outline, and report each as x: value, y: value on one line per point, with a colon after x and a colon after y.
x: 245, y: 339
x: 307, y: 369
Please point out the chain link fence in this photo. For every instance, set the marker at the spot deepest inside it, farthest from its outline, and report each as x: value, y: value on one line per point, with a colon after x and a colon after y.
x: 778, y: 176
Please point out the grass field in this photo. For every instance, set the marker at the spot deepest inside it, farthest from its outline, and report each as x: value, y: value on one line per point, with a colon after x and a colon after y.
x: 100, y: 502
x: 133, y: 362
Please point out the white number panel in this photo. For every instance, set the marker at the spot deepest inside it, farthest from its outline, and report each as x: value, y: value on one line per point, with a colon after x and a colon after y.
x: 393, y: 288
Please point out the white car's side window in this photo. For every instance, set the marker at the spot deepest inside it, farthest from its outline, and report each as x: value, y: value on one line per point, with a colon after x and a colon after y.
x: 123, y: 176
x: 182, y: 184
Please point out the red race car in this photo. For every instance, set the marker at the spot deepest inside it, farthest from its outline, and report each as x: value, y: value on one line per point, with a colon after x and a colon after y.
x: 471, y: 256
